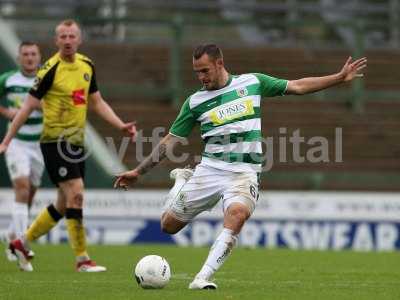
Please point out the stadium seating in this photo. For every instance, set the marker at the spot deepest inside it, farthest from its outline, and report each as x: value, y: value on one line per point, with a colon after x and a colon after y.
x: 370, y: 139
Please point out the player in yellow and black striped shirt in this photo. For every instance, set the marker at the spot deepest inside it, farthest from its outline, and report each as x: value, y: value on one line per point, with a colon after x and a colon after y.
x: 65, y: 86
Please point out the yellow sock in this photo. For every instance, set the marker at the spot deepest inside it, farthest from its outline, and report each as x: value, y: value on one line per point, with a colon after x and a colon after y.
x: 43, y: 223
x: 76, y: 232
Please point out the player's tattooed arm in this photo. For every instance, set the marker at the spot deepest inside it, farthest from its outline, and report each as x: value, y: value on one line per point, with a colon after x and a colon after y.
x: 165, y: 146
x: 156, y: 156
x: 161, y: 151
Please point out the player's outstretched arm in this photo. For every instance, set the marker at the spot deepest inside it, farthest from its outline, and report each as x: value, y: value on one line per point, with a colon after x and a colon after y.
x: 165, y: 146
x: 350, y: 70
x: 29, y: 105
x: 102, y: 108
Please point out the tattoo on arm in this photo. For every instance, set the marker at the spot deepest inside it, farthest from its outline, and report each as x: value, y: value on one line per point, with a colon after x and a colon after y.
x: 156, y: 156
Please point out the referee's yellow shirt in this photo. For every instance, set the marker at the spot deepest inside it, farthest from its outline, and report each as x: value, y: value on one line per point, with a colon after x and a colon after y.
x: 64, y: 88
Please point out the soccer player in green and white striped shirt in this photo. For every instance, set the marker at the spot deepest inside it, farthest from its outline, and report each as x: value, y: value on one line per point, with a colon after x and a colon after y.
x: 227, y: 109
x: 23, y: 156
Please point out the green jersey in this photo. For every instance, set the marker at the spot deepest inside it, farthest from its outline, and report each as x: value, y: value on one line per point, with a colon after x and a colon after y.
x: 15, y: 87
x: 230, y: 121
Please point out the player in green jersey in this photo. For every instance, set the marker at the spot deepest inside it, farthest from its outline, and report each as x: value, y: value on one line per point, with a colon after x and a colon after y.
x: 23, y: 157
x: 227, y: 109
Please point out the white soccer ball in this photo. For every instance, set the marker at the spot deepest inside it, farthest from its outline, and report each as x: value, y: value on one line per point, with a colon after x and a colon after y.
x: 152, y: 272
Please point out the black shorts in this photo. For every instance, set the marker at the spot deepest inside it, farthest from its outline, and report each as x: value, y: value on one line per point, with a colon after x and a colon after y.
x: 63, y: 161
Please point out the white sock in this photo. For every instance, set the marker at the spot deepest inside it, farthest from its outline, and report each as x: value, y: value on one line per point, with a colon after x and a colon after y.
x: 219, y: 252
x: 179, y: 183
x: 20, y: 218
x: 11, y: 230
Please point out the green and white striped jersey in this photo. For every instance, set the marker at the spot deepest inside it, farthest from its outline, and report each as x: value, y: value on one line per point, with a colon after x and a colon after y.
x: 230, y: 121
x: 15, y: 87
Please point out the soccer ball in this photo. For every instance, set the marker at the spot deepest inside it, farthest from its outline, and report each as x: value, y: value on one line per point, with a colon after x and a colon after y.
x: 152, y: 272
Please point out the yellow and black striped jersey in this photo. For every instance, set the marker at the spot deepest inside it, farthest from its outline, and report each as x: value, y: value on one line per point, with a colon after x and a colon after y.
x: 64, y: 88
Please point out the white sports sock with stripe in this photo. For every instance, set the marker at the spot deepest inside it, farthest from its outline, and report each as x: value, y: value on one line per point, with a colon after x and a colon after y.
x: 179, y: 183
x: 219, y: 252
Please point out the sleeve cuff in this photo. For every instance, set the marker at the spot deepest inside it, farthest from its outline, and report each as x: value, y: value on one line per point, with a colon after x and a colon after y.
x: 284, y: 91
x: 178, y: 136
x: 35, y: 94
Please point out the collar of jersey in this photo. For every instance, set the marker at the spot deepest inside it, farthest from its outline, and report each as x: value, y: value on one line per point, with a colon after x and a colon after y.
x: 65, y: 61
x: 25, y: 75
x: 230, y: 77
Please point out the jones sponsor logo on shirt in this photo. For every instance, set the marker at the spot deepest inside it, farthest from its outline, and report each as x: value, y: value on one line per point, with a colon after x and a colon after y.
x: 231, y: 111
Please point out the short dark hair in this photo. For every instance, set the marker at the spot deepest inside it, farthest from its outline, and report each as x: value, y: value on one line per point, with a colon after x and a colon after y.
x: 27, y: 43
x: 212, y: 50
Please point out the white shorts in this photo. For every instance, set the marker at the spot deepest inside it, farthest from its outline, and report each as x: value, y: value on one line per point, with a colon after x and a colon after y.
x: 24, y: 159
x: 208, y: 186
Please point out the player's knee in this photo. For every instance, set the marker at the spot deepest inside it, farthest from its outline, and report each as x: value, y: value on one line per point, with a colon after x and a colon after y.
x: 166, y: 228
x: 22, y: 190
x: 235, y: 217
x: 170, y: 225
x: 22, y: 196
x: 239, y: 213
x: 76, y: 200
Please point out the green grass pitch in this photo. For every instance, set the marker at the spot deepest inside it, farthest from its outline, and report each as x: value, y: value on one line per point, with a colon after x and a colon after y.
x: 248, y: 274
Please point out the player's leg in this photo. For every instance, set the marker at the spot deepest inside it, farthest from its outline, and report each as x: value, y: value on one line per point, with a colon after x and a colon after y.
x: 22, y: 187
x: 239, y: 203
x: 192, y: 193
x: 73, y: 191
x: 19, y: 214
x: 32, y: 193
x: 36, y: 173
x: 170, y: 223
x: 17, y: 160
x: 37, y: 169
x: 61, y: 204
x: 44, y: 221
x: 234, y: 219
x: 49, y: 216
